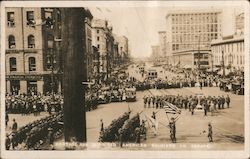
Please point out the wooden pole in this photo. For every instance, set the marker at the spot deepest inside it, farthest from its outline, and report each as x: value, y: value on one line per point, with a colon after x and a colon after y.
x: 73, y: 41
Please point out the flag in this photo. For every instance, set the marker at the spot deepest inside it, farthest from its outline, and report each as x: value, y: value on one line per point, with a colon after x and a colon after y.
x: 153, y: 123
x: 170, y: 108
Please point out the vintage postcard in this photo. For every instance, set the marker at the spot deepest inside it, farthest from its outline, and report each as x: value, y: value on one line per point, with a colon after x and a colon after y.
x: 125, y: 79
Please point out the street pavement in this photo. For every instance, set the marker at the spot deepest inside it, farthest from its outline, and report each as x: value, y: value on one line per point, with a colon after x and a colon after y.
x: 191, y: 130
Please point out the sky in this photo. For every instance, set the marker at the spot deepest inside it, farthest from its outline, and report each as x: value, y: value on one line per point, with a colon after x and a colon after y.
x: 141, y: 24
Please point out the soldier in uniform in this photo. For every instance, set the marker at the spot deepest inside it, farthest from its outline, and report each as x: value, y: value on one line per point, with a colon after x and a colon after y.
x: 145, y: 101
x: 137, y: 135
x: 172, y: 130
x: 14, y: 126
x: 210, y: 132
x: 6, y: 119
x: 228, y: 101
x: 51, y: 137
x: 7, y: 142
x: 120, y: 133
x: 222, y: 102
x: 102, y: 127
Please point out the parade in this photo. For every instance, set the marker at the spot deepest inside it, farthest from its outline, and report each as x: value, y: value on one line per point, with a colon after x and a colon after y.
x: 86, y: 84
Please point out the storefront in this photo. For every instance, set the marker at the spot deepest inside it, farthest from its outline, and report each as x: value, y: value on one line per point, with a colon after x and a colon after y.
x: 28, y: 84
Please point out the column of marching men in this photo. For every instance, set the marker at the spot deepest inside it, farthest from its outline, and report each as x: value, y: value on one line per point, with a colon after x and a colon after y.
x: 35, y: 134
x: 209, y: 103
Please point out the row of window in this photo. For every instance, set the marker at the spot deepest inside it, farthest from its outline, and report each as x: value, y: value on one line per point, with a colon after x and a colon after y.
x: 233, y: 47
x: 195, y: 28
x: 12, y: 41
x: 11, y: 18
x: 194, y: 18
x: 13, y: 64
x: 230, y: 59
x: 193, y: 38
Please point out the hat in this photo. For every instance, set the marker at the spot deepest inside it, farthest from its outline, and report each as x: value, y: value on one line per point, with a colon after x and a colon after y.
x: 50, y: 129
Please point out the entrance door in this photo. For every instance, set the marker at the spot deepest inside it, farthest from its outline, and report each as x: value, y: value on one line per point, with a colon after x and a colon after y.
x: 14, y: 87
x: 32, y: 87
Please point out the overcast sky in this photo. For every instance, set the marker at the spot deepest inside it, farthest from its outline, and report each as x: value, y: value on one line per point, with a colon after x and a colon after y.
x: 141, y: 24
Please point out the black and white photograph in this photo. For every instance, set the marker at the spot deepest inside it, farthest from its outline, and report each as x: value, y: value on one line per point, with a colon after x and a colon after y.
x: 125, y: 77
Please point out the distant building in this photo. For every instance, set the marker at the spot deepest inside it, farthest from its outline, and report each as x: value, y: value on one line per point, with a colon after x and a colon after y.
x: 189, y: 33
x: 155, y: 51
x: 123, y: 49
x: 163, y: 43
x: 233, y: 51
x: 104, y: 41
x: 239, y: 23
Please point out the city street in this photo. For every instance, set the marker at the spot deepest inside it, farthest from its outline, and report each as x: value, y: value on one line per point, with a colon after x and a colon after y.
x: 228, y: 124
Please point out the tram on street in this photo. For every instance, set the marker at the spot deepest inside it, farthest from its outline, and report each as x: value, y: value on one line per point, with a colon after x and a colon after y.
x: 130, y: 94
x: 104, y: 95
x: 152, y: 74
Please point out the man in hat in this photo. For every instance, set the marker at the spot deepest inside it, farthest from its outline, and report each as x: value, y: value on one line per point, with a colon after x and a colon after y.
x: 14, y: 126
x: 172, y: 130
x: 6, y: 119
x: 102, y: 127
x: 51, y: 136
x: 210, y: 133
x: 228, y: 101
x: 7, y: 142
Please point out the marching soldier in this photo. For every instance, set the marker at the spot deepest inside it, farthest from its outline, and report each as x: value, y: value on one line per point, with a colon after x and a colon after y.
x: 7, y: 142
x: 102, y: 127
x: 222, y: 102
x: 14, y: 126
x: 228, y: 101
x: 120, y: 133
x: 6, y: 119
x: 210, y: 133
x: 172, y: 130
x: 138, y: 135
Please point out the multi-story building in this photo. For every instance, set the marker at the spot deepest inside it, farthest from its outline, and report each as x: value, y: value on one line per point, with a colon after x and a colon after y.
x: 34, y: 59
x: 122, y: 48
x: 162, y: 43
x: 189, y: 34
x: 96, y: 64
x: 155, y: 51
x: 239, y: 23
x: 31, y: 54
x: 103, y: 39
x: 88, y: 44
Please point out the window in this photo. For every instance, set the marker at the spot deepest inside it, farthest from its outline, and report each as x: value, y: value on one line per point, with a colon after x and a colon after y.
x: 11, y: 19
x: 32, y: 64
x: 12, y: 64
x: 30, y: 18
x: 98, y: 46
x: 98, y: 38
x: 31, y: 41
x: 97, y: 31
x: 50, y: 41
x: 12, y: 42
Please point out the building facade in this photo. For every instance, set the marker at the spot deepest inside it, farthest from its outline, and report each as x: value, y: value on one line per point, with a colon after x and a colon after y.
x: 88, y: 44
x: 163, y: 43
x: 34, y: 59
x: 229, y: 49
x: 191, y: 30
x: 25, y: 68
x: 239, y: 23
x: 123, y: 50
x: 155, y: 51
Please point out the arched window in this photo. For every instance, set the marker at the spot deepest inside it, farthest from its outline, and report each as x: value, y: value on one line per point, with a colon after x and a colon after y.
x: 12, y: 64
x: 32, y: 64
x: 12, y: 42
x: 31, y: 41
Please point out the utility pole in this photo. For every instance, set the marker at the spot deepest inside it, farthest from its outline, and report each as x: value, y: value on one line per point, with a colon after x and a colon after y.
x: 223, y: 64
x: 74, y: 50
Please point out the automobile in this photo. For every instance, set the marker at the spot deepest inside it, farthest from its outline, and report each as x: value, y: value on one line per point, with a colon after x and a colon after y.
x: 116, y: 96
x: 130, y: 94
x: 104, y: 95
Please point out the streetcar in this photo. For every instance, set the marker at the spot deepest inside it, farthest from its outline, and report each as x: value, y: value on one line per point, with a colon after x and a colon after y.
x: 152, y: 74
x: 130, y: 94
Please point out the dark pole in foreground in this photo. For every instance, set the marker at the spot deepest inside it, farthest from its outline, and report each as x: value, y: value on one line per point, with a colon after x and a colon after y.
x: 74, y: 74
